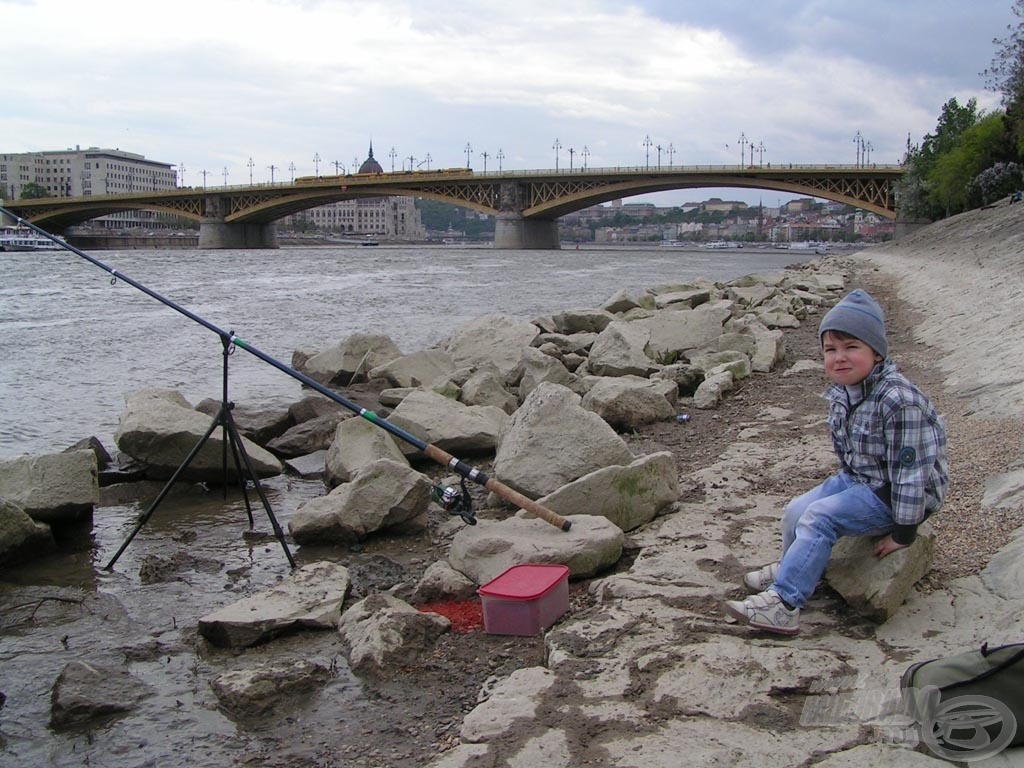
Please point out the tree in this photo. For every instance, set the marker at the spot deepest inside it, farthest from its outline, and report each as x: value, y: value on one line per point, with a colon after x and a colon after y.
x: 33, y: 191
x: 1006, y: 77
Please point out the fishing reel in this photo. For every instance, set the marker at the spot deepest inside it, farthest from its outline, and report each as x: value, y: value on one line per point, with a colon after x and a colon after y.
x: 455, y: 501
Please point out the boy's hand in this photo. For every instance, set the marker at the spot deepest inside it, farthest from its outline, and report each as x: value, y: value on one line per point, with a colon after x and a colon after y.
x: 886, y: 546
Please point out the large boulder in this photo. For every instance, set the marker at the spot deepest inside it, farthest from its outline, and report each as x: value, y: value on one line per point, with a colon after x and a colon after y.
x: 381, y: 495
x: 682, y: 331
x: 491, y: 338
x: 552, y: 440
x: 536, y: 367
x: 415, y: 370
x: 629, y: 402
x: 309, y: 436
x: 52, y: 488
x: 485, y: 550
x: 258, y: 424
x: 357, y: 443
x: 381, y: 631
x: 310, y: 597
x: 486, y: 386
x: 877, y: 588
x: 582, y: 320
x: 21, y: 537
x: 159, y: 428
x: 345, y: 361
x: 620, y: 350
x: 450, y: 425
x: 629, y: 495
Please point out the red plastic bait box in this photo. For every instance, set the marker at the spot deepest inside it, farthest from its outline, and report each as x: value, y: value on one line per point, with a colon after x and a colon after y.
x: 525, y: 599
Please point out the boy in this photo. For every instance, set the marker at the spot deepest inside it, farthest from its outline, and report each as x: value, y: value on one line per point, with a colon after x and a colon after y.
x: 891, y: 447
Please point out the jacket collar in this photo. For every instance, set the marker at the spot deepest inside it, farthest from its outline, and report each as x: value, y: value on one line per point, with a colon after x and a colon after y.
x: 881, y: 370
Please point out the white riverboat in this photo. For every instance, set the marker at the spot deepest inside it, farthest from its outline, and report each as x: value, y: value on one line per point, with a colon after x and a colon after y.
x: 25, y: 239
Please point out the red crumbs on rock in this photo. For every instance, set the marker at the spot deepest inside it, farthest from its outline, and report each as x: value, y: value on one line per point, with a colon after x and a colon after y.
x: 465, y: 615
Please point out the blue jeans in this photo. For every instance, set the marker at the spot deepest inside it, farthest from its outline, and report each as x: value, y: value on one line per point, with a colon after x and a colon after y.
x: 813, y: 522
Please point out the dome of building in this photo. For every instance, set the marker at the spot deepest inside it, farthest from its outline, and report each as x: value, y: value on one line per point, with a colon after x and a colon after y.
x: 370, y: 165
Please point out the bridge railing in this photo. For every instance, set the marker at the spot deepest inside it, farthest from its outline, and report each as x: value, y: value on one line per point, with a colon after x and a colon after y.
x: 450, y: 174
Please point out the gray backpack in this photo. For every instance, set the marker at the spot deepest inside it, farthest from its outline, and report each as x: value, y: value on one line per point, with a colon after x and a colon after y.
x: 977, y: 690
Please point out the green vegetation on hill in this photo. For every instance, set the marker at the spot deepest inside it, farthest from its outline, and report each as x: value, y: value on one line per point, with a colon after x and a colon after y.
x: 973, y: 158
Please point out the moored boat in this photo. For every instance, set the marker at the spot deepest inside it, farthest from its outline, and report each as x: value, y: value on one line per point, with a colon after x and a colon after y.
x: 25, y: 239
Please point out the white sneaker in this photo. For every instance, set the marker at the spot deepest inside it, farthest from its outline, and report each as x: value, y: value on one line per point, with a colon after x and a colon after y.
x: 761, y: 579
x: 766, y: 611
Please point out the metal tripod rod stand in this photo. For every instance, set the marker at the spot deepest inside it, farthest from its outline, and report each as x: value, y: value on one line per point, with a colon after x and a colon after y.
x: 225, y: 420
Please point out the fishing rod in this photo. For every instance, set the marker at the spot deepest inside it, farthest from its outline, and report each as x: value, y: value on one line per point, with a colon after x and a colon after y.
x: 449, y: 497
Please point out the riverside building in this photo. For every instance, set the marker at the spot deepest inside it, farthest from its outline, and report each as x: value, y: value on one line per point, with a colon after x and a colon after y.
x: 93, y: 171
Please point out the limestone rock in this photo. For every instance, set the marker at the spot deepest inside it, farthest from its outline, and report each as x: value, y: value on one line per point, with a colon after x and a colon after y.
x: 485, y: 550
x: 86, y: 693
x: 629, y: 496
x: 552, y: 440
x: 492, y: 338
x: 450, y: 425
x: 357, y: 443
x: 382, y: 630
x: 416, y: 369
x: 252, y: 692
x: 345, y: 361
x: 311, y: 597
x: 381, y: 495
x: 619, y: 350
x: 160, y: 428
x: 52, y: 488
x: 21, y: 537
x: 628, y: 402
x: 877, y: 588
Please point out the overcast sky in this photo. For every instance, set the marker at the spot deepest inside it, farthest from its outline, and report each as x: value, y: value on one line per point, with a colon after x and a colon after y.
x: 209, y: 84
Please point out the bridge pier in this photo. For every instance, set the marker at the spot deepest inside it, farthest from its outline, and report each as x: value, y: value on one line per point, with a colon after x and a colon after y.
x: 216, y: 233
x: 512, y: 231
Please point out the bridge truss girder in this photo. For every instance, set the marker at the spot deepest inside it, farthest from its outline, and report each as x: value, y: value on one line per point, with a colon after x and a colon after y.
x: 545, y: 196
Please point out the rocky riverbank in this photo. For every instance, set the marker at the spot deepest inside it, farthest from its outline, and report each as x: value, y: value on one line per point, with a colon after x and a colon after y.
x: 643, y: 668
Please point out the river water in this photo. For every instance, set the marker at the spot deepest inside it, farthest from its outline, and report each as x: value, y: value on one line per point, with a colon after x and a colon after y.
x: 72, y: 345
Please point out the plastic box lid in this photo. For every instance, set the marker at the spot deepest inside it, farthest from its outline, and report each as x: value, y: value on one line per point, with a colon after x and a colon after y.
x: 524, y: 582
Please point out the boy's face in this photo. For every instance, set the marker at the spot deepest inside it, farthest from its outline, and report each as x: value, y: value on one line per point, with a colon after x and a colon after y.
x: 847, y: 361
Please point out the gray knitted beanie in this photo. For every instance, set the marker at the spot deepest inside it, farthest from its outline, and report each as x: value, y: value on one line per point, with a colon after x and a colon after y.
x: 858, y: 315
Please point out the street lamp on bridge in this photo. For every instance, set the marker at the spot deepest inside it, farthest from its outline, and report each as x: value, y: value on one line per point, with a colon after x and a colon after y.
x: 469, y: 151
x: 291, y: 167
x: 743, y: 147
x: 484, y: 155
x: 251, y: 164
x: 571, y: 153
x: 647, y: 151
x: 316, y: 163
x: 225, y: 173
x: 500, y: 156
x: 181, y: 170
x: 867, y: 153
x: 859, y: 141
x: 586, y: 153
x: 671, y: 153
x: 271, y: 168
x: 392, y: 154
x: 202, y: 172
x: 760, y: 153
x: 659, y: 156
x: 556, y: 146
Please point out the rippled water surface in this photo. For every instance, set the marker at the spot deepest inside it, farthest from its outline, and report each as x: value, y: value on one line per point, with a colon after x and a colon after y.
x: 72, y: 345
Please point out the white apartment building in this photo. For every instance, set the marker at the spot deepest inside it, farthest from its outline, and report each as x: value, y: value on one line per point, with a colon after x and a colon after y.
x: 93, y: 171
